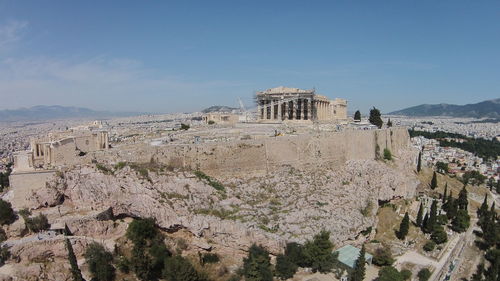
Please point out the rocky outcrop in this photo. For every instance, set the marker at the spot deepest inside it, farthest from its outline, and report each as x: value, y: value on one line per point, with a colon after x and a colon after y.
x: 290, y: 204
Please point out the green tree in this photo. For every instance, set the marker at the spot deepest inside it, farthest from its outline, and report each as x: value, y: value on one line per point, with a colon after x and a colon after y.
x: 389, y: 123
x: 452, y: 209
x: 425, y: 223
x: 478, y: 275
x: 357, y: 116
x: 404, y: 226
x: 99, y: 261
x: 257, y: 265
x: 295, y: 253
x: 389, y: 273
x: 442, y: 167
x: 443, y: 199
x: 178, y: 268
x: 139, y: 230
x: 420, y: 214
x: 491, y: 183
x: 4, y: 254
x: 461, y: 221
x: 318, y: 253
x: 375, y: 117
x: 359, y: 271
x: 429, y: 246
x: 462, y: 199
x: 387, y: 154
x: 419, y: 162
x: 285, y: 268
x: 432, y: 222
x: 75, y: 271
x: 3, y: 235
x: 434, y: 182
x: 37, y: 224
x: 439, y: 235
x: 498, y: 186
x: 484, y: 207
x: 383, y: 256
x: 424, y: 274
x: 7, y: 215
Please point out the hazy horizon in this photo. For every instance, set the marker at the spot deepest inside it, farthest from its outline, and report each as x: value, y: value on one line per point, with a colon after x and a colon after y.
x: 181, y: 57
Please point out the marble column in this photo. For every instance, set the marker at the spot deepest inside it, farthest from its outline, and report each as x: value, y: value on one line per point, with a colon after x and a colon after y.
x: 272, y: 110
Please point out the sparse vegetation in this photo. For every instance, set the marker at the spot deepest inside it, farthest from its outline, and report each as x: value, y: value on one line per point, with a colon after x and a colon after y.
x: 120, y: 165
x: 387, y: 154
x: 210, y: 181
x: 105, y: 170
x: 367, y: 210
x: 37, y: 224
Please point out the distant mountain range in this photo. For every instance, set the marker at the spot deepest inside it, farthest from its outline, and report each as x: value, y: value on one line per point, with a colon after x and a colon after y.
x: 48, y: 112
x: 489, y: 108
x: 219, y: 108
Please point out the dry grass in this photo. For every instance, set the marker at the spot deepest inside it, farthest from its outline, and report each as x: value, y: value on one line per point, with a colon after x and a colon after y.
x: 476, y: 193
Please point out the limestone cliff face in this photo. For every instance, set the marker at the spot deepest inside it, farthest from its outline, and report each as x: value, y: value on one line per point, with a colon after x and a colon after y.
x: 288, y: 205
x: 275, y: 191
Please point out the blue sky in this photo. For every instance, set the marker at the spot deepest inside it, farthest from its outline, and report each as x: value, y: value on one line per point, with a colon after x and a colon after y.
x: 173, y: 56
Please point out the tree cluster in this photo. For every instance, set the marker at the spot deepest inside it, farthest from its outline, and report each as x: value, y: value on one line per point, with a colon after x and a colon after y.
x: 489, y: 242
x: 389, y: 273
x: 315, y: 254
x: 486, y: 149
x: 152, y: 260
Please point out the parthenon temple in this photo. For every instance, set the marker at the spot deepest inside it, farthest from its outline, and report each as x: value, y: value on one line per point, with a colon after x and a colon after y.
x: 283, y: 103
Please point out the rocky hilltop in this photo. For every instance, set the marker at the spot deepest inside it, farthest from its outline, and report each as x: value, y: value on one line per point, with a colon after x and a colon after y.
x: 224, y: 214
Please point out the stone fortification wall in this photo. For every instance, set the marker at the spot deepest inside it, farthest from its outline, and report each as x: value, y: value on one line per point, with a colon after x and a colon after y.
x: 266, y: 155
x: 24, y: 185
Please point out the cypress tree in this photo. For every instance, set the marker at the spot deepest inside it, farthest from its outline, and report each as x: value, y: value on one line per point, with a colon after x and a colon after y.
x: 75, y: 271
x: 357, y: 116
x: 389, y: 123
x: 425, y: 222
x: 462, y: 199
x: 484, y: 207
x: 420, y: 214
x: 358, y: 274
x: 404, y: 227
x: 375, y: 117
x: 452, y: 210
x: 444, y: 193
x: 419, y: 162
x: 498, y: 186
x: 434, y: 182
x: 431, y: 223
